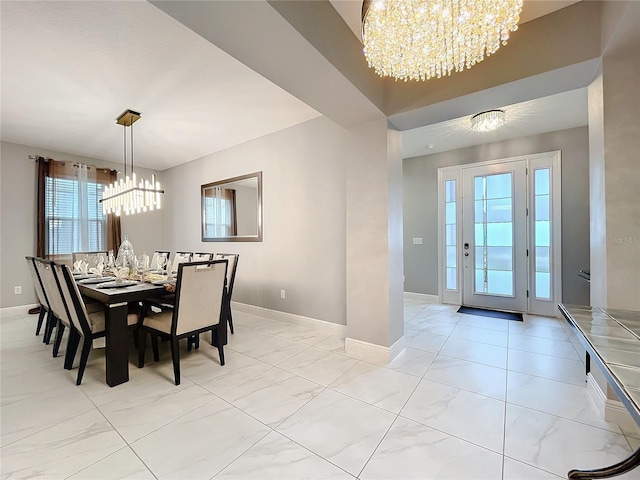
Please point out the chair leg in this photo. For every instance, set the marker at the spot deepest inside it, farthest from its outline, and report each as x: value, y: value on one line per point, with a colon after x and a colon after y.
x: 58, y: 340
x: 84, y: 356
x: 230, y: 317
x: 142, y: 343
x: 48, y: 328
x: 175, y: 356
x: 197, y: 341
x: 72, y: 348
x: 154, y: 346
x: 41, y: 315
x: 215, y: 333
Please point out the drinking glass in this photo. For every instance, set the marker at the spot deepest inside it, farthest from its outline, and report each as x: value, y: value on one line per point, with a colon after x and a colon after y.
x: 141, y: 265
x: 161, y: 262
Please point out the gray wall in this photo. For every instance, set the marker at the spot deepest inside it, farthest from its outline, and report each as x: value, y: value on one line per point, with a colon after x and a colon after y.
x: 303, y: 247
x: 247, y: 213
x: 18, y: 225
x: 421, y: 206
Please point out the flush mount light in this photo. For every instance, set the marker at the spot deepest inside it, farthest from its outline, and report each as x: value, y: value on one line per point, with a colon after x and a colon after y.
x: 487, y: 121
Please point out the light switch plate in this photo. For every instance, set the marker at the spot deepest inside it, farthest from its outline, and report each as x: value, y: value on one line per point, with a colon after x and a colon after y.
x: 417, y: 241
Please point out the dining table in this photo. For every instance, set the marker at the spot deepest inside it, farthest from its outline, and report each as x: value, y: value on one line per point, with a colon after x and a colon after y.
x: 116, y: 301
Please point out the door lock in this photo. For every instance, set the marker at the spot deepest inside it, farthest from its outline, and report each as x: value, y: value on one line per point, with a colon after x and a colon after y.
x: 466, y: 246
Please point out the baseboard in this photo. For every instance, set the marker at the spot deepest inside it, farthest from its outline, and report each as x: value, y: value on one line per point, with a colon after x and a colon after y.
x: 377, y: 353
x: 320, y: 325
x: 19, y: 310
x: 422, y: 297
x: 612, y: 410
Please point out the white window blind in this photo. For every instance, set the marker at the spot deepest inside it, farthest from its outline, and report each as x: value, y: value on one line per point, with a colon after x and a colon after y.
x: 217, y: 214
x: 62, y: 217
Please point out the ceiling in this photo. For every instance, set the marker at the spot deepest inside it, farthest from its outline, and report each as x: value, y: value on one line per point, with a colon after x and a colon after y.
x: 70, y: 68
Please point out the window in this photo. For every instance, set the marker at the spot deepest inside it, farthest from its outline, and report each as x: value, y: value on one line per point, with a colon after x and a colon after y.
x: 69, y: 212
x: 63, y: 218
x: 219, y: 213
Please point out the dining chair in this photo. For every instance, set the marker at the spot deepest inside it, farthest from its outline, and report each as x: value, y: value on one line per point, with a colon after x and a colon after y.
x: 45, y: 310
x: 153, y: 265
x: 85, y: 326
x: 199, y: 307
x: 231, y: 278
x: 54, y: 295
x: 201, y: 257
x: 180, y: 257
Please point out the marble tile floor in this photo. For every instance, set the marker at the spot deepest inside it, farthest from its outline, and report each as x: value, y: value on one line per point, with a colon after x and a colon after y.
x: 469, y: 398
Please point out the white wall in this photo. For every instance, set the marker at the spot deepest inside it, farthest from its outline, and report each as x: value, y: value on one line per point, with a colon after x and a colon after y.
x: 18, y: 219
x: 303, y: 247
x: 247, y: 213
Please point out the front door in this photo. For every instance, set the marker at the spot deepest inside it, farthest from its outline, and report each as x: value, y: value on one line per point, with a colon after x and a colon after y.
x: 494, y: 236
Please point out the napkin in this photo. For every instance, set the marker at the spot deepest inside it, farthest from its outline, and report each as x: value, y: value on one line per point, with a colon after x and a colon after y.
x: 98, y: 269
x: 84, y: 267
x: 76, y: 266
x: 121, y: 274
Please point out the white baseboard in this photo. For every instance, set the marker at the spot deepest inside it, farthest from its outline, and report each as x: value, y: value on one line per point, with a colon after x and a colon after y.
x: 423, y: 297
x: 19, y: 310
x: 321, y: 325
x: 612, y: 410
x: 377, y: 353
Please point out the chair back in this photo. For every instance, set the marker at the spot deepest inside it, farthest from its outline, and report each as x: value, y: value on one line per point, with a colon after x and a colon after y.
x: 231, y: 271
x: 92, y: 258
x: 154, y: 259
x: 37, y: 282
x: 74, y: 304
x: 180, y: 257
x: 201, y: 257
x: 52, y: 289
x: 199, y: 295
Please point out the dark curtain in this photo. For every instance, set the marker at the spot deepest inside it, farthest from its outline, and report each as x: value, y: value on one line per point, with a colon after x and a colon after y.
x: 114, y: 232
x: 41, y: 231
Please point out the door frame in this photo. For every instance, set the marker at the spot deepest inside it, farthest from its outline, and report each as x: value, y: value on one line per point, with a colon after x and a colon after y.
x: 551, y: 160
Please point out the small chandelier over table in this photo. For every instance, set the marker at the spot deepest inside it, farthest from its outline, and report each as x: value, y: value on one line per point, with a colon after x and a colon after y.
x: 421, y: 39
x: 127, y: 194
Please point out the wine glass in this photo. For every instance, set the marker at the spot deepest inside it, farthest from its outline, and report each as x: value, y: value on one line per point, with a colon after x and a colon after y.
x: 141, y: 265
x: 161, y: 262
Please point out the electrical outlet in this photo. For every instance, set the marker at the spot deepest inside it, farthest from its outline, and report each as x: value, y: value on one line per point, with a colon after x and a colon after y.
x: 417, y: 241
x: 282, y: 294
x: 17, y: 290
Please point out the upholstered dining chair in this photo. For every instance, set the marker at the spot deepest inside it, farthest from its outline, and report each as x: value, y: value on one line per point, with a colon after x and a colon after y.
x: 54, y: 295
x: 45, y: 310
x: 199, y: 307
x: 85, y: 326
x: 153, y: 265
x: 231, y: 278
x: 180, y: 257
x: 201, y: 257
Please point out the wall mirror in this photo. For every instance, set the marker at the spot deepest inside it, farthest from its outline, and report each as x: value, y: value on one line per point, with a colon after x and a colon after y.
x: 231, y: 209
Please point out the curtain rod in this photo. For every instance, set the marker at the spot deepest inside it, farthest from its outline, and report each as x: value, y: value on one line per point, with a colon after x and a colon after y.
x: 89, y: 167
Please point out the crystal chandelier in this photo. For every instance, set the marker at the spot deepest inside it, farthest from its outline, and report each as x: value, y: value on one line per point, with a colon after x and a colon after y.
x: 127, y: 195
x: 421, y: 39
x: 487, y: 121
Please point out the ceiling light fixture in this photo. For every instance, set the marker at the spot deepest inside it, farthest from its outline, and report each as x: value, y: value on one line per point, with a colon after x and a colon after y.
x: 487, y: 121
x: 421, y: 39
x: 127, y: 194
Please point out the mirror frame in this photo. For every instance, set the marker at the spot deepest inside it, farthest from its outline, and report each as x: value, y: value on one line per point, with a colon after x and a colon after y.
x: 237, y: 238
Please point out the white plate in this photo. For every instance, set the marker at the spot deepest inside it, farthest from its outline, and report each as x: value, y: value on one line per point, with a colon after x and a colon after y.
x: 125, y: 283
x: 88, y: 281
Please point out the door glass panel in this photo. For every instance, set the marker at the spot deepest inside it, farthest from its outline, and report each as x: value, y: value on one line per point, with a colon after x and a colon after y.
x: 450, y: 240
x: 542, y: 218
x: 500, y: 282
x: 493, y: 231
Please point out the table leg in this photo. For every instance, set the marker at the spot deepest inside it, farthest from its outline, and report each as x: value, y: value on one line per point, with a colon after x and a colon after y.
x: 117, y: 354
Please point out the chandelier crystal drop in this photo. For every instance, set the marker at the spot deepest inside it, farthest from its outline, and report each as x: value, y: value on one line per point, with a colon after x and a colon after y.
x: 487, y: 121
x: 422, y: 39
x: 127, y: 194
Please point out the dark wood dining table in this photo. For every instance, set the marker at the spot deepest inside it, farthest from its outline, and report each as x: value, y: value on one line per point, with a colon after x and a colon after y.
x: 115, y: 302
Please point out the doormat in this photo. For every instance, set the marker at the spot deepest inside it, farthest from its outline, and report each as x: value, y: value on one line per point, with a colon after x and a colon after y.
x: 491, y: 313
